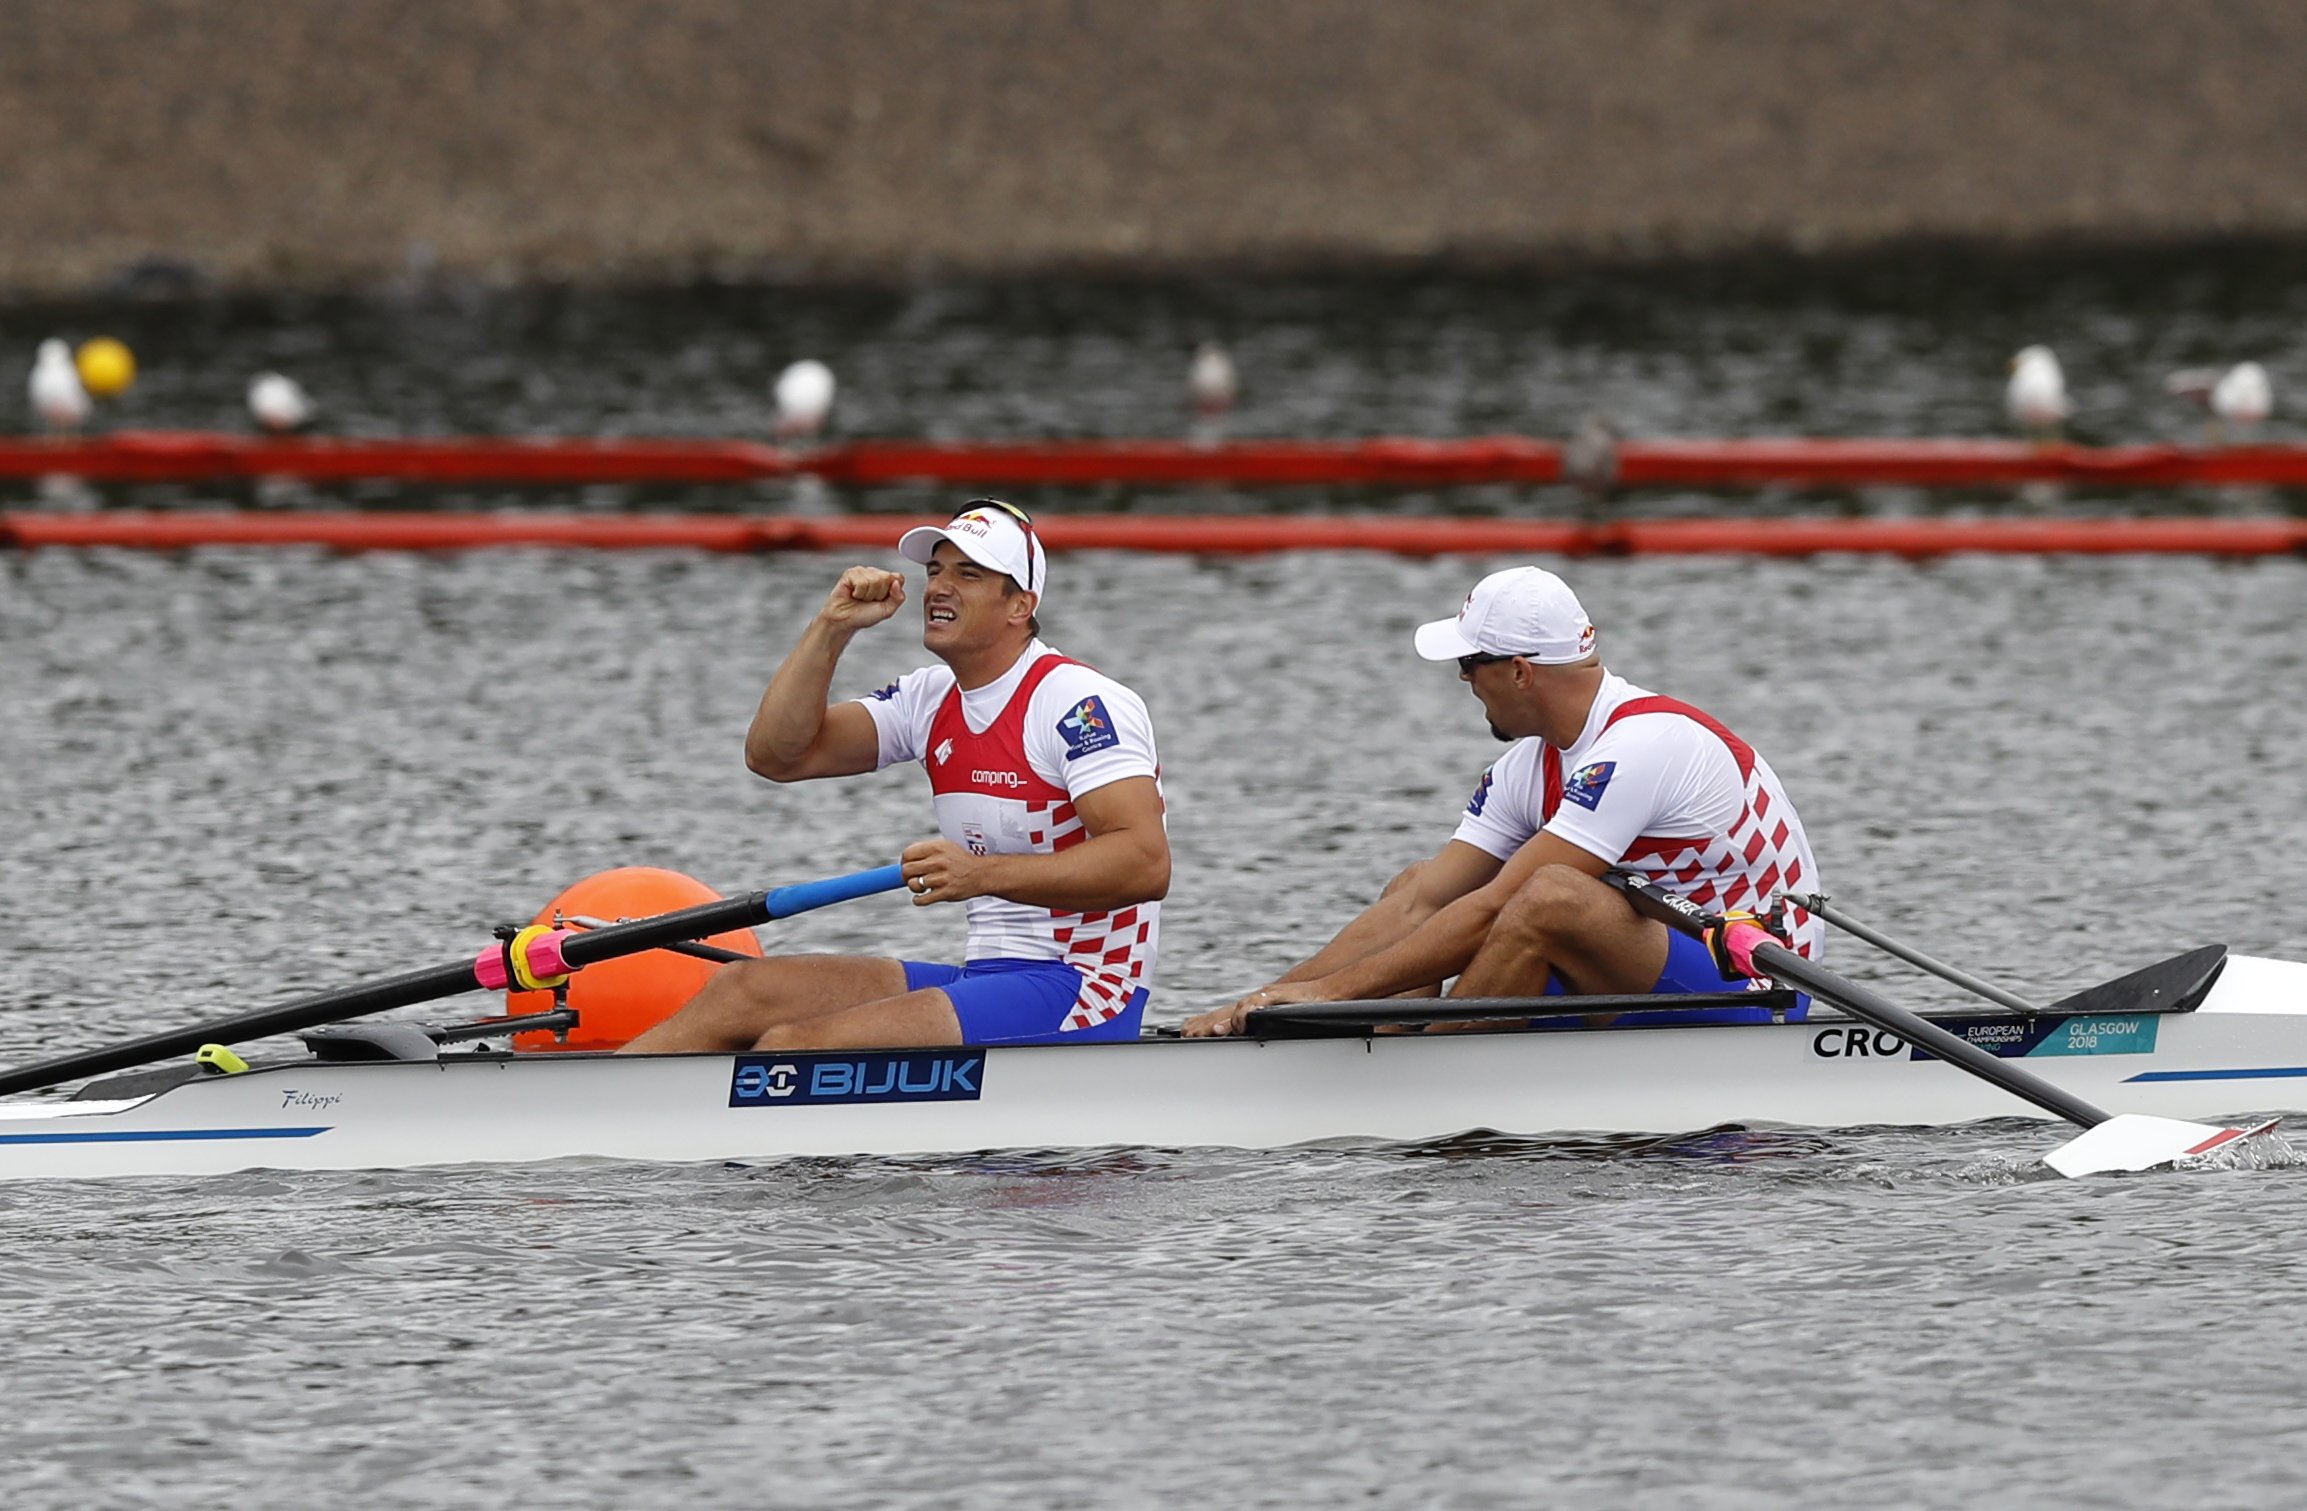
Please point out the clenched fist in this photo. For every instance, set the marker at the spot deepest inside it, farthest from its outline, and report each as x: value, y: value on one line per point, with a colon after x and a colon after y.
x: 864, y: 597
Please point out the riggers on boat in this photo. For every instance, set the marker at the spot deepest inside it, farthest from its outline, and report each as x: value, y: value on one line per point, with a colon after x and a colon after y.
x: 2199, y: 1035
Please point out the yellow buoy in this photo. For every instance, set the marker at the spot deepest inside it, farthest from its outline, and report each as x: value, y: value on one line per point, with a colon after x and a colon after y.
x: 107, y: 367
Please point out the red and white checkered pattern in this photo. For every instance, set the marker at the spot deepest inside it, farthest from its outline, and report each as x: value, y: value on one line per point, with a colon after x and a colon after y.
x: 986, y: 783
x: 1762, y: 855
x: 1113, y: 951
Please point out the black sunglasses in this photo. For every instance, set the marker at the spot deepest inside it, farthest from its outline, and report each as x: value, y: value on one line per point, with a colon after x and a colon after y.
x: 1479, y: 658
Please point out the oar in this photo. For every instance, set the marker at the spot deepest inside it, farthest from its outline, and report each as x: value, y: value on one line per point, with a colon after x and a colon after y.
x: 549, y: 954
x: 712, y: 952
x: 1817, y: 902
x: 2131, y: 1141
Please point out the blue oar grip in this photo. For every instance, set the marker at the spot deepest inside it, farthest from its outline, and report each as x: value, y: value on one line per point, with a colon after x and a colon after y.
x: 800, y: 897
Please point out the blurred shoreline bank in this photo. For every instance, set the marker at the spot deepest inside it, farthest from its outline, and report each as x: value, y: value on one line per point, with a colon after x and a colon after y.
x: 160, y: 147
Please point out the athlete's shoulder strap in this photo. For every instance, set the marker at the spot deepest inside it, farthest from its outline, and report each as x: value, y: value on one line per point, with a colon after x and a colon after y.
x: 1740, y: 751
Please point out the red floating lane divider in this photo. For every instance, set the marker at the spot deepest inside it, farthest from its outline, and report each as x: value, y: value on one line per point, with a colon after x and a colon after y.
x: 190, y: 456
x: 186, y: 456
x: 171, y: 531
x: 1185, y: 534
x: 1394, y: 462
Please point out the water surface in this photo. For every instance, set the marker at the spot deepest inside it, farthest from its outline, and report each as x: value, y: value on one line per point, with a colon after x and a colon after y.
x: 232, y: 777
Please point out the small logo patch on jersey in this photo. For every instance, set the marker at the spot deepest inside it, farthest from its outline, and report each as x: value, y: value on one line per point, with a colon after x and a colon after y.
x: 973, y: 840
x: 1087, y: 728
x: 943, y: 750
x: 884, y: 694
x: 1586, y: 783
x: 1480, y: 797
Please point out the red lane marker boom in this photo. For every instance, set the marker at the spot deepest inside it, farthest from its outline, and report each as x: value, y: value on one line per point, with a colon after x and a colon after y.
x: 166, y: 456
x: 187, y: 456
x: 1186, y: 534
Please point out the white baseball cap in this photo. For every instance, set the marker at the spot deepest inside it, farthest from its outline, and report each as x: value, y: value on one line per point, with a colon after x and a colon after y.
x: 992, y: 534
x: 1522, y: 611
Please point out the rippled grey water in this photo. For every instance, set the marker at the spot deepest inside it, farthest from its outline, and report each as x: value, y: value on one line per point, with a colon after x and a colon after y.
x: 229, y: 776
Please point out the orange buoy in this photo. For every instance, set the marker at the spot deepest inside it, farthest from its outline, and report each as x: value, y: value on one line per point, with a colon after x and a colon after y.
x: 617, y: 999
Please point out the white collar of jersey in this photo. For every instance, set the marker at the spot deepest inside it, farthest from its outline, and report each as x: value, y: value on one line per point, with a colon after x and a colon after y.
x: 994, y: 696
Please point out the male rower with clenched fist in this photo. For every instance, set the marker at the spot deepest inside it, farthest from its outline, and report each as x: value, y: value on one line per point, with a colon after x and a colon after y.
x: 1049, y: 808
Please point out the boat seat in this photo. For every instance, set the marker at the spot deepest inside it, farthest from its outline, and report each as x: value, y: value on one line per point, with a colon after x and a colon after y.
x: 371, y: 1041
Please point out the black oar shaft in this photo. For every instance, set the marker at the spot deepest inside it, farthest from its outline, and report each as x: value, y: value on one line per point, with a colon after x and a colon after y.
x: 381, y: 996
x: 1783, y: 964
x: 447, y: 980
x: 305, y: 1012
x: 1954, y: 975
x: 694, y: 951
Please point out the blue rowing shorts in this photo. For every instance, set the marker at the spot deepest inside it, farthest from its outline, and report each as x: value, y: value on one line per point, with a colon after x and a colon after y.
x: 1689, y: 968
x: 1020, y: 1001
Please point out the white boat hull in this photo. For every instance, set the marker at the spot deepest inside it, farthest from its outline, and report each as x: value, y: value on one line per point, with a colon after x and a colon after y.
x: 2243, y: 1050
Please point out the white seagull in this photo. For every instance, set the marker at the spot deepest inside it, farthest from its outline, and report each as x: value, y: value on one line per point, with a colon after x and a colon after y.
x: 2244, y: 397
x: 2239, y: 398
x: 55, y: 390
x: 1211, y: 382
x: 279, y: 403
x: 804, y: 398
x: 2037, y: 395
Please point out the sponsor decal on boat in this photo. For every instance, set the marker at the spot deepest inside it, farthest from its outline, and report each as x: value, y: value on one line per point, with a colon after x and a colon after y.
x: 2005, y: 1038
x: 817, y: 1080
x: 2046, y: 1038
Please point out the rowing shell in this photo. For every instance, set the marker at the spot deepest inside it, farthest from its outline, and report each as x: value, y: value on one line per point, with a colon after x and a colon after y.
x: 2242, y: 1046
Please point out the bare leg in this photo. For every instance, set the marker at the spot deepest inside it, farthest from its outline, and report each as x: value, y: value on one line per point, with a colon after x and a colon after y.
x: 901, y: 1022
x: 739, y: 1003
x: 1566, y: 923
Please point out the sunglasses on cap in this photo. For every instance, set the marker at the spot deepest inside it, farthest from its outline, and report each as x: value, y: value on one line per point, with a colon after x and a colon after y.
x: 1024, y: 520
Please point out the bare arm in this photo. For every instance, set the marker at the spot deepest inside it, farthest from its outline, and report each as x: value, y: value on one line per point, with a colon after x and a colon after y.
x: 1125, y: 860
x: 795, y: 734
x: 1440, y: 947
x: 1430, y: 951
x: 1414, y: 898
x: 1423, y: 891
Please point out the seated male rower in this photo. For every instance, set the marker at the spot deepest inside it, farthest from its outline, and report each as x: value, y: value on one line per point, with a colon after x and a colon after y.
x: 1048, y: 800
x: 1602, y: 774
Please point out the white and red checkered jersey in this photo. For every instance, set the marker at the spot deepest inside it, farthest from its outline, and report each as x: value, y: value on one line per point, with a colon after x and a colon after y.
x: 1661, y: 789
x: 1006, y: 763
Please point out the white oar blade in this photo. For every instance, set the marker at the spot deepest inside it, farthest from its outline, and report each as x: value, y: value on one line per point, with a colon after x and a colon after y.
x: 2134, y: 1141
